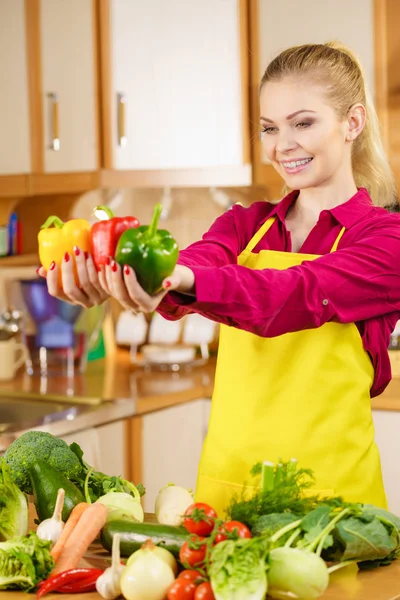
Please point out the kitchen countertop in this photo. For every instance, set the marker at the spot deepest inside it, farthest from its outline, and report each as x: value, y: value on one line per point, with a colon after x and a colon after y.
x: 348, y: 584
x: 115, y: 378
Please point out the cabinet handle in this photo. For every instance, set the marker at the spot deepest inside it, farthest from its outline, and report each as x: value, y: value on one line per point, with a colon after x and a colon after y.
x: 122, y: 139
x: 55, y: 141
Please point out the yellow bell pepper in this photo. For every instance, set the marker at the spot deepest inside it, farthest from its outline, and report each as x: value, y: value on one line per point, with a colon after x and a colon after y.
x: 56, y: 238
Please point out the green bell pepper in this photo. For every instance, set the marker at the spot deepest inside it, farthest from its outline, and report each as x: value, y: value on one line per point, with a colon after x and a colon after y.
x: 152, y: 253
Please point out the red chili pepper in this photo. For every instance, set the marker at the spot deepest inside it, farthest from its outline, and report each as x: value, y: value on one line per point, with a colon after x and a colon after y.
x: 106, y: 233
x: 57, y: 581
x: 80, y: 586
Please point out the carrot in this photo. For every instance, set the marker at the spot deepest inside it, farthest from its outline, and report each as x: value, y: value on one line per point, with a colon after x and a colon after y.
x: 88, y: 527
x: 69, y: 526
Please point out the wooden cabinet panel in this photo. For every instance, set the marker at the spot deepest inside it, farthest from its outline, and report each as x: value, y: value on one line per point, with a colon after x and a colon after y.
x: 279, y: 25
x: 180, y: 79
x: 387, y: 427
x: 68, y: 71
x: 14, y: 99
x: 172, y: 442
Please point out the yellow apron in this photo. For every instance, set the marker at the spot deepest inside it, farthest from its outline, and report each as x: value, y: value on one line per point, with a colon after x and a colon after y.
x: 303, y: 395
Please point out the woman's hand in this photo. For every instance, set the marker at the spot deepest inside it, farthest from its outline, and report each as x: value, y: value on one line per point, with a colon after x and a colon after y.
x: 124, y: 287
x: 92, y: 288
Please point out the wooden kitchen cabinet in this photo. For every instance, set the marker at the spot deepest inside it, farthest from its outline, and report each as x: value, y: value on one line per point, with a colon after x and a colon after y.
x: 275, y: 26
x: 387, y: 427
x: 171, y: 444
x: 15, y: 155
x: 175, y: 92
x: 68, y: 85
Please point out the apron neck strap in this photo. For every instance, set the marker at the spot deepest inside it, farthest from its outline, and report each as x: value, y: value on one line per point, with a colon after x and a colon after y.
x: 260, y: 234
x: 266, y: 226
x: 336, y: 242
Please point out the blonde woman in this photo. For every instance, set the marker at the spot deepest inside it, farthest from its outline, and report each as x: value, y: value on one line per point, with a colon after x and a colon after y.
x: 307, y: 291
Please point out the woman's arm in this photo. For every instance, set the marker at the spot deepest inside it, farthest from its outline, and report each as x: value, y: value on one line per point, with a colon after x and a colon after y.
x: 353, y: 284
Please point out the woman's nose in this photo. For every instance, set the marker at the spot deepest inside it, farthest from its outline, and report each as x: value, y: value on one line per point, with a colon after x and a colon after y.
x: 284, y: 142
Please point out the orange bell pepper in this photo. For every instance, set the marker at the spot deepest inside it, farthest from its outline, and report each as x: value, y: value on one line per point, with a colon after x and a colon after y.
x: 56, y: 238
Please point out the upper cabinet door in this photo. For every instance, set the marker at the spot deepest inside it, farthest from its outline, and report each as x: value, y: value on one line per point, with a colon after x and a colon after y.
x: 276, y: 26
x: 14, y: 97
x: 177, y: 95
x: 68, y: 66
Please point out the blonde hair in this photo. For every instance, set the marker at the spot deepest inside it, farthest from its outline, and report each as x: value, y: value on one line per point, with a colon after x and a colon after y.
x: 338, y: 69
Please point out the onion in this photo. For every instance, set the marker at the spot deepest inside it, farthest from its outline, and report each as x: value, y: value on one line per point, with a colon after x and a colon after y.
x: 148, y: 577
x: 162, y: 553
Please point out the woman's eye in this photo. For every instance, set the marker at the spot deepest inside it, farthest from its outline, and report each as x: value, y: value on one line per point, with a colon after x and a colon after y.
x: 302, y: 125
x: 268, y: 130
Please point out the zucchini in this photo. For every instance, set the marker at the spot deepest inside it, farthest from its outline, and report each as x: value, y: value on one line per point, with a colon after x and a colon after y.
x: 133, y: 535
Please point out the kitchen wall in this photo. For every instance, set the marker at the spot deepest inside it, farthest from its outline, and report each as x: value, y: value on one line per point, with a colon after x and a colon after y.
x: 191, y: 213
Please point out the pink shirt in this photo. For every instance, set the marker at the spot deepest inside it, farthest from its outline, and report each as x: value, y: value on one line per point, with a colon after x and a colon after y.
x: 359, y: 283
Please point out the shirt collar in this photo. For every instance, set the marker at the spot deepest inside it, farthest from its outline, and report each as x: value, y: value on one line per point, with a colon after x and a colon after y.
x: 346, y: 214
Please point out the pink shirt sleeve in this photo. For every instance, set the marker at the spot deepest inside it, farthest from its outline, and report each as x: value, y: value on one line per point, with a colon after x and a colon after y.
x: 352, y: 284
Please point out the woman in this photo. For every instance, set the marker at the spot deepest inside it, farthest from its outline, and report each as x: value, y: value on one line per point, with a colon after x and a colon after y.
x: 307, y: 291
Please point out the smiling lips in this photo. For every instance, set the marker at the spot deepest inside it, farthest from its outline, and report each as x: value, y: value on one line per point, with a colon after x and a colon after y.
x: 295, y: 166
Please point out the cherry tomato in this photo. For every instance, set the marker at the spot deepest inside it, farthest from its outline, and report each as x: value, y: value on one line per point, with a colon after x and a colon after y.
x: 204, y: 592
x: 181, y: 589
x: 199, y: 519
x: 193, y: 552
x: 191, y: 575
x: 232, y: 530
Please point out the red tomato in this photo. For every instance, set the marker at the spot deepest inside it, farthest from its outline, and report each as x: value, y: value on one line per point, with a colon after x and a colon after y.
x: 181, y: 589
x: 193, y: 552
x: 191, y: 575
x: 204, y: 592
x: 199, y: 518
x: 232, y: 530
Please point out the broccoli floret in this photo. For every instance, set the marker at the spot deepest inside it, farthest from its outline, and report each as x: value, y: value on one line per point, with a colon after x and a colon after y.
x: 34, y: 445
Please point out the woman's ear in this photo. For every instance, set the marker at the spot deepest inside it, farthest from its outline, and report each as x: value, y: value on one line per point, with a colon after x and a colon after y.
x: 355, y: 121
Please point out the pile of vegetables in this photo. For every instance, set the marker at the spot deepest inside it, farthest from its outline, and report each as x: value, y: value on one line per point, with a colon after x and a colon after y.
x: 277, y: 542
x: 152, y: 253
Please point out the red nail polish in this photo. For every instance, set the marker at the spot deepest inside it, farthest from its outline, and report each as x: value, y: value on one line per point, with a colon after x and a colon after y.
x: 76, y: 251
x: 108, y: 261
x: 66, y: 257
x: 52, y: 266
x: 86, y: 254
x: 167, y: 285
x: 114, y: 266
x: 37, y: 271
x: 98, y: 269
x: 127, y: 270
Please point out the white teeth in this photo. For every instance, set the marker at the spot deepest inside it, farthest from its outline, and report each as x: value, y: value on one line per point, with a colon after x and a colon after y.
x: 296, y: 163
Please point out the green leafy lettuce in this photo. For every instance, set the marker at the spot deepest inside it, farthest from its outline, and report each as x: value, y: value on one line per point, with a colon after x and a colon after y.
x: 24, y: 561
x: 13, y: 506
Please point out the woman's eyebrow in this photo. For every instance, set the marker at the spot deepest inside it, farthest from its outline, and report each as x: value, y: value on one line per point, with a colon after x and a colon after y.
x: 289, y: 116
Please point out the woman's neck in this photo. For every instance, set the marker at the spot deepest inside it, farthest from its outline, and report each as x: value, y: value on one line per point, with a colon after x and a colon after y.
x: 312, y: 201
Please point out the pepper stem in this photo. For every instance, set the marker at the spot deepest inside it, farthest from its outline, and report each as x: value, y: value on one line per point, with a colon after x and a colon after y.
x: 103, y: 213
x: 154, y: 222
x: 55, y: 221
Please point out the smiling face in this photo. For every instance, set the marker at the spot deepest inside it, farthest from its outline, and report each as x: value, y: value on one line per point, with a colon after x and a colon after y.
x: 303, y: 136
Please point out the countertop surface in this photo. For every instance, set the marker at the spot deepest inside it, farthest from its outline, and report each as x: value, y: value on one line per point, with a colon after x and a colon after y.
x: 348, y: 584
x: 113, y: 389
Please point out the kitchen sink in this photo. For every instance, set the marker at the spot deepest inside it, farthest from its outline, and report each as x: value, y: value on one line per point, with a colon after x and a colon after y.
x: 13, y: 410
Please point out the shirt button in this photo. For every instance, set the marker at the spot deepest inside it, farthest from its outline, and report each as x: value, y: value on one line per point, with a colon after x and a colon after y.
x: 325, y: 302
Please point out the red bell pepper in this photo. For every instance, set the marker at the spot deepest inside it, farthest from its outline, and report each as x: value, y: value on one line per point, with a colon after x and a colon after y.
x: 106, y: 233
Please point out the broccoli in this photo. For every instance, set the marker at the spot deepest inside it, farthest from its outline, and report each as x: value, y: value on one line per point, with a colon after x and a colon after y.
x: 34, y: 445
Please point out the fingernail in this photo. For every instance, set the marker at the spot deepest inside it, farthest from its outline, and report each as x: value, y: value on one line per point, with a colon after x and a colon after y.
x: 37, y: 271
x: 52, y: 266
x: 86, y: 254
x: 76, y: 251
x: 127, y: 270
x: 66, y: 257
x: 98, y: 269
x: 114, y: 266
x: 167, y: 284
x: 108, y: 261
